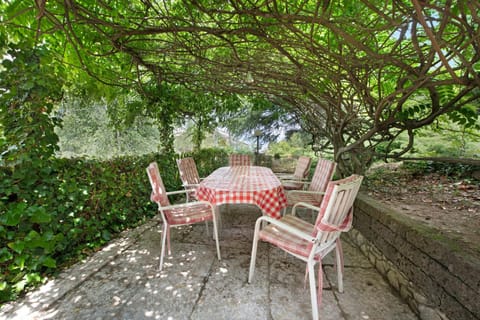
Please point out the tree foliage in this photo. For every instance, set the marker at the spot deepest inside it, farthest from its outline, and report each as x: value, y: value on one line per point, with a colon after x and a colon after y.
x: 257, y: 113
x: 296, y: 145
x: 92, y: 128
x: 29, y: 88
x: 355, y: 73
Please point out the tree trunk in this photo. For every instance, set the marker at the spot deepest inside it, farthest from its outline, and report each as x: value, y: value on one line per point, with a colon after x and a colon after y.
x: 356, y: 161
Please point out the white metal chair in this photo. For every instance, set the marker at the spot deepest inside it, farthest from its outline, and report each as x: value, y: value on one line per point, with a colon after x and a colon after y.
x: 189, y: 176
x: 312, y: 242
x: 316, y: 187
x: 178, y: 214
x: 299, y: 177
x: 239, y: 160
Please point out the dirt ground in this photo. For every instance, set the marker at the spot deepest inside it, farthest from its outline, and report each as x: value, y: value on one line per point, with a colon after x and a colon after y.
x: 450, y: 205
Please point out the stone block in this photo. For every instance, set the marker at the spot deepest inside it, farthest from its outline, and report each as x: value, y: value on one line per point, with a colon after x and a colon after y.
x: 392, y: 277
x: 427, y: 313
x: 381, y: 266
x: 405, y: 292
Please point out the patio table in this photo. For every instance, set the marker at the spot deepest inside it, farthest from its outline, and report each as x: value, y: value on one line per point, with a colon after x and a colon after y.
x: 244, y: 184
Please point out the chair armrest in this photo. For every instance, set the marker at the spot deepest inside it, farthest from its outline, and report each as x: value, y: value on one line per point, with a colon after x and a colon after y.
x: 176, y: 192
x: 295, y: 181
x: 284, y: 173
x: 286, y: 176
x: 306, y: 191
x: 169, y: 193
x: 303, y: 204
x: 283, y: 226
x: 188, y: 204
x: 292, y: 177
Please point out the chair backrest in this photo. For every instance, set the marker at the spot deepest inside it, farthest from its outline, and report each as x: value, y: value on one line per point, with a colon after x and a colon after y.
x: 303, y: 167
x: 322, y: 176
x: 336, y: 211
x: 239, y: 160
x: 159, y: 194
x: 188, y: 171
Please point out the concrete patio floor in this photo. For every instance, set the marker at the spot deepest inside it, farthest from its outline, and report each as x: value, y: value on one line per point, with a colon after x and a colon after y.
x: 122, y: 281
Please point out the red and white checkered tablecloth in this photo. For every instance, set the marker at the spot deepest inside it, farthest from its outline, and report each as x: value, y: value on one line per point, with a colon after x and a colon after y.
x: 244, y: 184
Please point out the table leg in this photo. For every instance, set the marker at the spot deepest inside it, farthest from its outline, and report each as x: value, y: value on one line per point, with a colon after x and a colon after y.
x: 219, y: 221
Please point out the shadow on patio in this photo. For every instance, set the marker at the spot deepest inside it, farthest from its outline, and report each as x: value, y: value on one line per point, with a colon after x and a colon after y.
x: 122, y: 281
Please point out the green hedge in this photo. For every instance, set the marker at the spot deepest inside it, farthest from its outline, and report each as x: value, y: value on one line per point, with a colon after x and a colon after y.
x: 207, y: 160
x: 52, y: 214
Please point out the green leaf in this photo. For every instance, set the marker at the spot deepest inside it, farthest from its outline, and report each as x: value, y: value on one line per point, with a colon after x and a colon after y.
x: 14, y: 215
x: 19, y: 262
x: 33, y: 278
x: 39, y: 215
x: 17, y: 246
x: 19, y: 286
x: 49, y: 262
x: 106, y: 235
x: 5, y: 255
x: 32, y: 236
x: 28, y: 85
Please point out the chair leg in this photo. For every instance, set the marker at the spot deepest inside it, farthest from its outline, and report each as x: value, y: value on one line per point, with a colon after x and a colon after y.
x: 219, y: 218
x: 254, y: 251
x: 168, y: 240
x: 162, y: 250
x: 339, y: 265
x: 206, y: 227
x: 314, y: 217
x: 313, y: 289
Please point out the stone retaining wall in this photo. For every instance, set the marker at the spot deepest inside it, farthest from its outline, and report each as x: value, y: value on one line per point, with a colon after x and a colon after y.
x: 438, y: 277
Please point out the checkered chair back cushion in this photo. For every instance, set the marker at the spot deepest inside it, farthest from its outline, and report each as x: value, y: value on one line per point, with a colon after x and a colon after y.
x: 159, y: 195
x: 336, y: 210
x: 322, y: 176
x: 188, y: 171
x: 239, y: 160
x: 303, y: 166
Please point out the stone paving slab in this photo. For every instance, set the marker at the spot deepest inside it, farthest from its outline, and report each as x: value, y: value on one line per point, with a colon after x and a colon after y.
x: 123, y: 282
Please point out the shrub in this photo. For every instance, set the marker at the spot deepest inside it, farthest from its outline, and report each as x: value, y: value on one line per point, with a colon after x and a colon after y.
x: 207, y: 160
x: 448, y: 169
x: 60, y: 210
